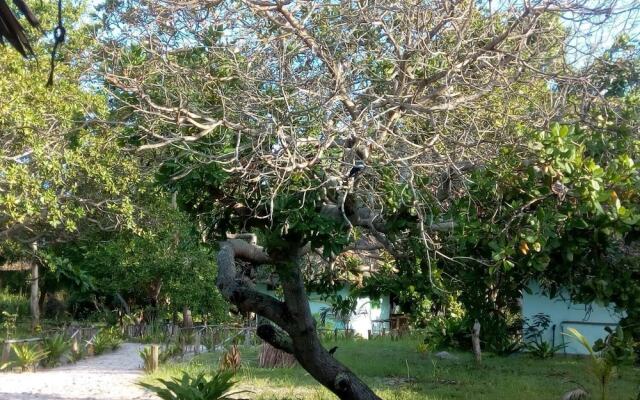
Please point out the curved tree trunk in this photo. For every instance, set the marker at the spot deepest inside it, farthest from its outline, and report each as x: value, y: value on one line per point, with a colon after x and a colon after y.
x: 296, y: 332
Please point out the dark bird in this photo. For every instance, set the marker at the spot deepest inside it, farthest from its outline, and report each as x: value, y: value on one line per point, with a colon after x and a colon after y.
x: 12, y: 31
x: 333, y: 350
x: 357, y: 169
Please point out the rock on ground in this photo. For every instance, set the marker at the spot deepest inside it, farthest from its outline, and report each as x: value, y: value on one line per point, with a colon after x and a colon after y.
x: 111, y: 376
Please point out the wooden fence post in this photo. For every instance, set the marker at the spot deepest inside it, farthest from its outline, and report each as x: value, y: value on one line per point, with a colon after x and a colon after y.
x: 475, y: 341
x: 196, y: 341
x: 369, y: 334
x: 155, y: 352
x: 74, y: 345
x: 6, y: 353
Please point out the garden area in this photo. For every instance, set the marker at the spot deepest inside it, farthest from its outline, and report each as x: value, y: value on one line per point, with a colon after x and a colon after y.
x: 283, y: 199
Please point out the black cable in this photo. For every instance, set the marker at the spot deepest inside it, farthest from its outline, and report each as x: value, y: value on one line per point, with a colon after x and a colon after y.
x: 59, y: 34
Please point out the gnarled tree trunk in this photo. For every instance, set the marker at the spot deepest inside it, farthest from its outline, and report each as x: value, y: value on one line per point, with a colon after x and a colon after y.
x: 296, y: 331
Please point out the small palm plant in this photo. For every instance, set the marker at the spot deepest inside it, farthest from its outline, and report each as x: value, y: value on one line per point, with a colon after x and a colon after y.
x: 198, y: 388
x: 27, y: 356
x: 147, y: 359
x: 231, y: 360
x: 600, y: 366
x: 56, y: 346
x: 106, y: 339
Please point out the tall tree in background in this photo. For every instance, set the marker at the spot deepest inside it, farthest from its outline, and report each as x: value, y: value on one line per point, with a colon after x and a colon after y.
x: 329, y: 126
x: 59, y: 170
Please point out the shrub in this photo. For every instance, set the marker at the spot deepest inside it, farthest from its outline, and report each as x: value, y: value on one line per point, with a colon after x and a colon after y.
x: 14, y: 303
x: 231, y: 360
x: 169, y: 351
x: 618, y: 347
x: 543, y: 350
x: 56, y: 347
x: 76, y: 356
x: 9, y: 323
x: 601, y: 367
x: 533, y: 332
x: 186, y: 337
x: 28, y: 356
x: 147, y: 359
x: 198, y: 388
x: 447, y: 332
x: 106, y: 339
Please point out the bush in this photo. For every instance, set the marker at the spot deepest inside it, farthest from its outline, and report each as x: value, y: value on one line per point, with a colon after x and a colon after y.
x: 106, y: 339
x: 14, y: 303
x: 601, y: 367
x: 147, y: 359
x: 198, y: 388
x: 28, y: 356
x: 169, y: 351
x: 533, y: 332
x: 447, y: 332
x: 231, y: 360
x: 8, y: 323
x: 56, y: 347
x: 618, y: 347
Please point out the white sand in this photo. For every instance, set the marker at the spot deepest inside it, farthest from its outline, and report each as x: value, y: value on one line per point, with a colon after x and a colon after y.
x: 111, y: 376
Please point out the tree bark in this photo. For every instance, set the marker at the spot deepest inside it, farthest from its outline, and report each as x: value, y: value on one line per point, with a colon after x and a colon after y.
x: 34, y: 297
x: 35, y: 293
x: 475, y: 340
x: 296, y: 332
x: 187, y: 321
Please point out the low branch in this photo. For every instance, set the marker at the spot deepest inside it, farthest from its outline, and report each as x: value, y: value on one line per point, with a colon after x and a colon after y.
x: 276, y: 337
x: 241, y: 292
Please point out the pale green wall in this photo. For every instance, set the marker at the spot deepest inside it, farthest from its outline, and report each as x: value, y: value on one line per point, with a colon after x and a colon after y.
x: 559, y: 309
x: 366, y: 311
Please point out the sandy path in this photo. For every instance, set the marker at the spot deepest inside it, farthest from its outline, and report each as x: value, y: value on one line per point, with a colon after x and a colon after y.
x: 107, y: 377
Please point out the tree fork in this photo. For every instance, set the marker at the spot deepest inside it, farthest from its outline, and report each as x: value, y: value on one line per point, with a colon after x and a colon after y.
x: 295, y: 332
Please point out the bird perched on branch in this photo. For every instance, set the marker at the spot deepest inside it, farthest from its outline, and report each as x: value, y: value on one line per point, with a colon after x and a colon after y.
x: 333, y: 350
x: 357, y: 169
x: 12, y: 31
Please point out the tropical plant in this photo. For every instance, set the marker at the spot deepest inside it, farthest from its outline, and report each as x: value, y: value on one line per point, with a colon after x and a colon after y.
x: 115, y: 338
x: 601, y: 367
x: 76, y: 356
x: 618, y: 346
x: 231, y: 360
x: 425, y: 348
x: 106, y: 339
x: 535, y: 344
x: 186, y: 337
x: 198, y: 388
x: 447, y: 332
x: 56, y: 346
x: 543, y: 350
x: 169, y: 351
x: 147, y: 359
x: 341, y: 309
x: 28, y: 356
x: 9, y: 322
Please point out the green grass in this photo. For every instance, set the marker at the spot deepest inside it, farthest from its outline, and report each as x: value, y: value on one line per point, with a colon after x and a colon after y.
x: 14, y: 303
x: 386, y: 364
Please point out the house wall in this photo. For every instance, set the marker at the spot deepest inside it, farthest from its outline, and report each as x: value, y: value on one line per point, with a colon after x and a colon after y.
x: 588, y: 319
x: 365, y: 312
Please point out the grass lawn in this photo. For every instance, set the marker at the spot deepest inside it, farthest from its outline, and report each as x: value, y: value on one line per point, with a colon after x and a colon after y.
x: 386, y: 364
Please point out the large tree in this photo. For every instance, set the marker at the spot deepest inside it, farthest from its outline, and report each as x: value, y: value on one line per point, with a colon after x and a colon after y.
x: 60, y: 171
x: 328, y: 126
